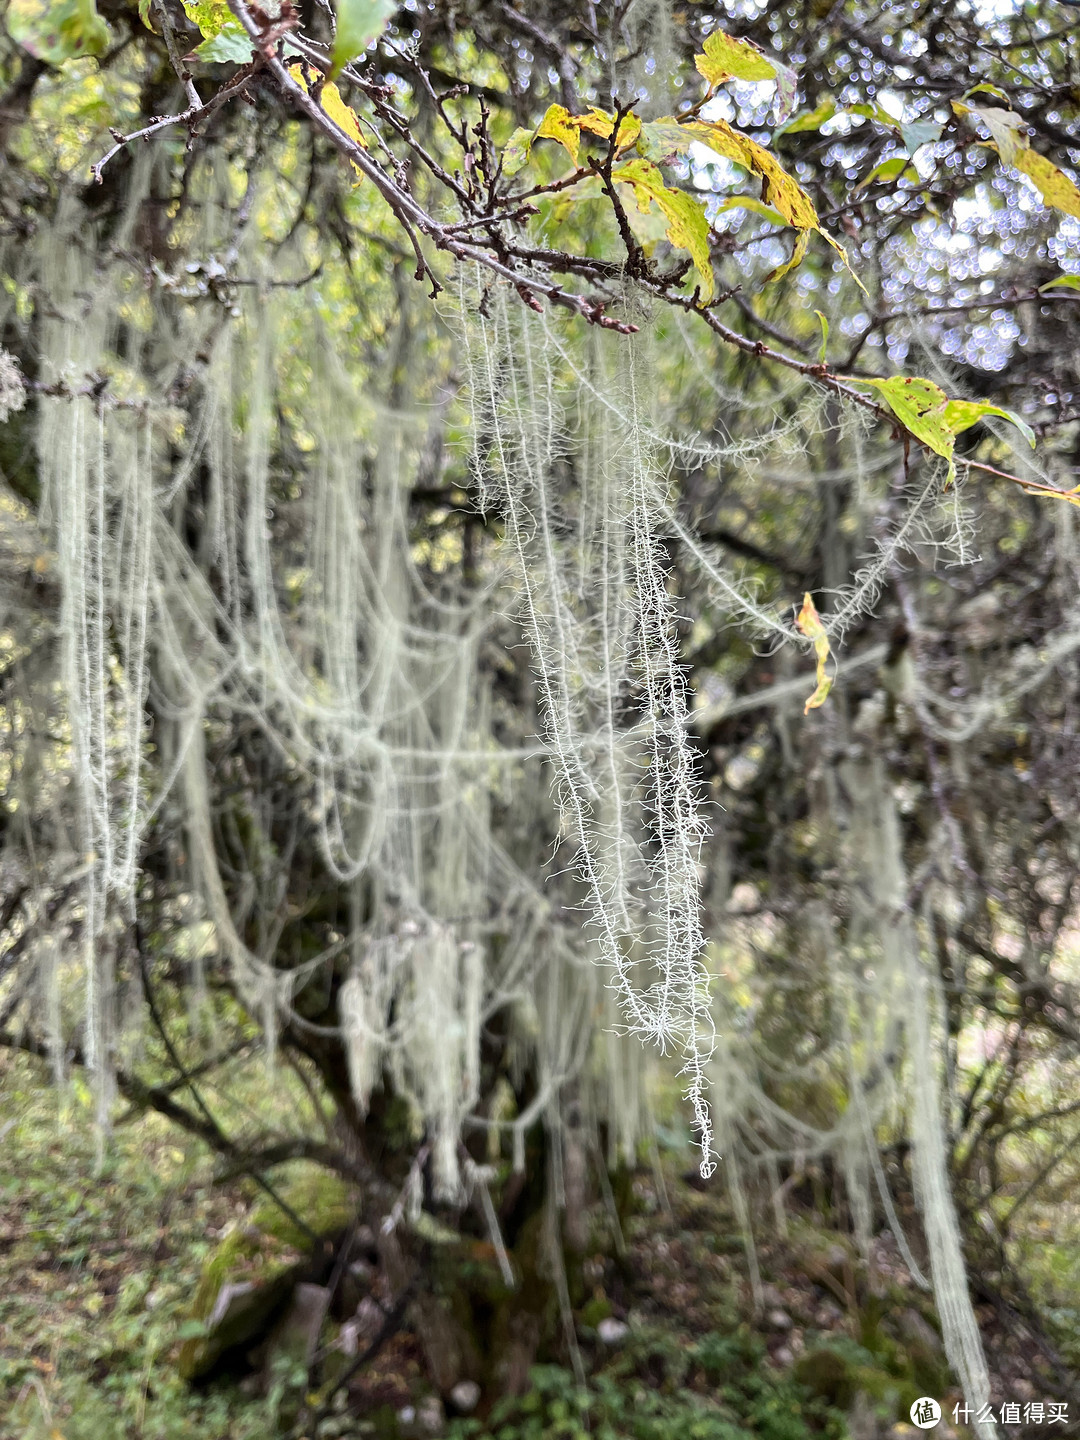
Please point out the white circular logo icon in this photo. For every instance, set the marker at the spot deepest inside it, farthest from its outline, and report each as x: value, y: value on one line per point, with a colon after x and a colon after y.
x: 925, y: 1413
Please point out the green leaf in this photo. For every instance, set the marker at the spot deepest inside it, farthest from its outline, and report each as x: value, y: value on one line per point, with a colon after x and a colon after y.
x: 809, y: 119
x: 144, y: 13
x: 962, y: 414
x: 726, y: 58
x: 55, y: 32
x: 917, y: 133
x: 755, y: 207
x: 191, y: 1330
x: 359, y: 22
x: 890, y: 169
x: 913, y: 132
x: 875, y: 112
x: 1007, y: 129
x: 824, y: 335
x: 687, y: 226
x: 1072, y: 282
x: 516, y: 151
x: 211, y: 16
x: 230, y: 44
x: 988, y: 88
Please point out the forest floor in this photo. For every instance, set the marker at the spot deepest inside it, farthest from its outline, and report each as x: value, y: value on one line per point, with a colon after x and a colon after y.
x: 99, y: 1262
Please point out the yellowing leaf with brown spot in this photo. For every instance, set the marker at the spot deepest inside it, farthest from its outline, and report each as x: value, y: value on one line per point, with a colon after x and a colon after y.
x: 779, y: 190
x: 1053, y: 184
x: 687, y: 227
x: 926, y: 411
x: 809, y: 623
x: 558, y: 124
x: 920, y: 406
x: 663, y: 139
x: 726, y: 58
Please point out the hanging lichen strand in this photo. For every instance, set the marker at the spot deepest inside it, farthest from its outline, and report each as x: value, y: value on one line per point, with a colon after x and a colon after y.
x: 301, y: 610
x: 897, y: 938
x: 583, y: 503
x: 96, y: 492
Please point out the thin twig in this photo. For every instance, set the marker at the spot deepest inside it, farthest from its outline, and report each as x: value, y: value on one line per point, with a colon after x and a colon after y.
x: 189, y: 117
x: 175, y: 59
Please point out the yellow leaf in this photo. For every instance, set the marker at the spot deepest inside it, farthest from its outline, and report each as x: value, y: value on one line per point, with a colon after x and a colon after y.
x: 600, y: 122
x: 726, y: 58
x: 778, y: 189
x: 211, y: 16
x: 755, y: 207
x: 812, y: 119
x: 332, y: 105
x: 1053, y: 184
x: 687, y: 227
x: 891, y: 169
x: 342, y: 115
x: 665, y: 138
x: 558, y: 124
x: 809, y: 623
x: 1006, y: 127
x: 798, y: 254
